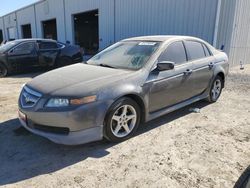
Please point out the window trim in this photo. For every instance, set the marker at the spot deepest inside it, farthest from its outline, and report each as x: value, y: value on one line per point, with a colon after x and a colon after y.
x: 202, y: 44
x: 209, y: 51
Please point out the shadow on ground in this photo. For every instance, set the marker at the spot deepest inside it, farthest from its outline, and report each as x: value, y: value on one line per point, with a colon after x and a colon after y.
x: 24, y: 155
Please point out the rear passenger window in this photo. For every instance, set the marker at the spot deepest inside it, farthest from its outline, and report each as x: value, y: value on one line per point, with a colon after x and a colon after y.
x: 47, y: 45
x: 175, y: 52
x: 195, y: 50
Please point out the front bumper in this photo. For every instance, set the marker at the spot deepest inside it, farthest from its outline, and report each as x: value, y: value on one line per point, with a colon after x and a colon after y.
x: 71, y: 125
x: 73, y: 138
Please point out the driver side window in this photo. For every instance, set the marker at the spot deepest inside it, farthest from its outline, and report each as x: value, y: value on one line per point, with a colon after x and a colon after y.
x: 175, y: 52
x: 22, y: 49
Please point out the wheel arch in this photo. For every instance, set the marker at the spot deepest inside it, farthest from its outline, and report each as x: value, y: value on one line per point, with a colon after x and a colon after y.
x: 220, y: 71
x: 3, y: 63
x: 6, y: 66
x: 141, y: 104
x: 135, y: 97
x: 222, y: 75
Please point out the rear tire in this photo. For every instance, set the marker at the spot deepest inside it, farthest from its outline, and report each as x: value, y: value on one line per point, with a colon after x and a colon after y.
x: 215, y: 90
x: 122, y: 120
x: 244, y: 180
x: 3, y: 70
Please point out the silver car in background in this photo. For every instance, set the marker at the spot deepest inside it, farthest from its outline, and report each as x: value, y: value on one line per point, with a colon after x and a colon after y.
x: 130, y: 82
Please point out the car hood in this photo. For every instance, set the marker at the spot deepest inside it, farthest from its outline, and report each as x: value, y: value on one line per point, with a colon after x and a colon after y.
x: 77, y: 80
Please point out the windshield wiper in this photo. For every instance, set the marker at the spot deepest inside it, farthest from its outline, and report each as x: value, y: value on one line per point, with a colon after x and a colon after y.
x: 105, y: 65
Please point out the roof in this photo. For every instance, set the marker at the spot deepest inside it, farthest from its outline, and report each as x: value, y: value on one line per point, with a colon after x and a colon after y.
x: 160, y: 38
x: 34, y: 39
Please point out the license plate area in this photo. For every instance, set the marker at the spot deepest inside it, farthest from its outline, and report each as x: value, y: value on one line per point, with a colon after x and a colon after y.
x: 22, y: 116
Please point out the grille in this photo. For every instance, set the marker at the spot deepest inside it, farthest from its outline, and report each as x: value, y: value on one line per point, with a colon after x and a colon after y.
x: 49, y: 129
x: 29, y: 97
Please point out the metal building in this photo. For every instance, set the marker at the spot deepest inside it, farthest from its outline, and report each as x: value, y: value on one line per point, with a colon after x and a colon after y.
x: 96, y: 24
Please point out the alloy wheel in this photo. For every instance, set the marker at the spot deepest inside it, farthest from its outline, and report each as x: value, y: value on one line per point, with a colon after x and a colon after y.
x: 123, y: 121
x: 216, y: 90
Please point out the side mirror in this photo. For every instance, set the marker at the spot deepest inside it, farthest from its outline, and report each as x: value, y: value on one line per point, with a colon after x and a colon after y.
x: 165, y: 65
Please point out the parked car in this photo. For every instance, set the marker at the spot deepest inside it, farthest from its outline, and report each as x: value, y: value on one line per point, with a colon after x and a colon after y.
x: 130, y: 82
x: 24, y: 53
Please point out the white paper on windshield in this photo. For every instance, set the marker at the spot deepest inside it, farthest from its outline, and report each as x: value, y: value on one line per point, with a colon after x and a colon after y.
x: 147, y: 43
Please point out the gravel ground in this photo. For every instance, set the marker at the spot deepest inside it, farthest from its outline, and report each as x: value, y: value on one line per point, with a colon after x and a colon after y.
x: 181, y: 149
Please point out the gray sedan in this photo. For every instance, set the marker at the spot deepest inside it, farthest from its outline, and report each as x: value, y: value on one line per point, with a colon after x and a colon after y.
x: 130, y: 82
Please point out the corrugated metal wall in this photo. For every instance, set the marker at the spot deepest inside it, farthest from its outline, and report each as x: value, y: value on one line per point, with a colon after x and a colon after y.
x: 26, y: 16
x: 10, y: 22
x: 182, y: 17
x: 106, y: 18
x: 226, y: 24
x: 48, y: 10
x: 240, y: 45
x: 119, y: 19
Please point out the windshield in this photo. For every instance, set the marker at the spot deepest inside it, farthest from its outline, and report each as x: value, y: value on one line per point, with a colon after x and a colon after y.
x: 125, y: 55
x: 7, y: 46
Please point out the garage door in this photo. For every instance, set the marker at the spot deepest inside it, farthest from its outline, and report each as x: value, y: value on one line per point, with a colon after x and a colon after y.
x: 12, y: 33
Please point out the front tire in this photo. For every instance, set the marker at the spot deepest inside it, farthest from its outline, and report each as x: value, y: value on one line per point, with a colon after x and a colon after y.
x: 3, y: 70
x: 215, y: 90
x: 122, y: 120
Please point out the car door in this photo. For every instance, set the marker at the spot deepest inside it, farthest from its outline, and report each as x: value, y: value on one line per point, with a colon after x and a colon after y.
x: 203, y: 61
x: 170, y: 87
x: 23, y: 55
x: 47, y: 53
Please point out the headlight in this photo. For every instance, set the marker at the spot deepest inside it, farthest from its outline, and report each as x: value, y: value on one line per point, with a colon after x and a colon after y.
x: 57, y: 103
x: 60, y: 102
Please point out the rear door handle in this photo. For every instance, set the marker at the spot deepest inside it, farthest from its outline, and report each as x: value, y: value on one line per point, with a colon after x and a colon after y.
x: 188, y: 72
x: 211, y: 65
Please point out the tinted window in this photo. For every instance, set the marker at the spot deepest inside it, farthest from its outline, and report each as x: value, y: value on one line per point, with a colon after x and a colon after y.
x: 25, y: 48
x: 195, y: 50
x: 175, y: 52
x: 7, y: 46
x: 206, y: 50
x: 47, y: 45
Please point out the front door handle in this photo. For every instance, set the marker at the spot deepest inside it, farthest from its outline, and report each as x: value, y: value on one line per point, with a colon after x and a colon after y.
x: 211, y: 65
x: 188, y: 72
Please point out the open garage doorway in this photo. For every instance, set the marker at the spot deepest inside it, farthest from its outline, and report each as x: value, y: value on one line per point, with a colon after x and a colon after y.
x: 1, y: 36
x: 26, y: 31
x: 49, y: 29
x: 86, y: 30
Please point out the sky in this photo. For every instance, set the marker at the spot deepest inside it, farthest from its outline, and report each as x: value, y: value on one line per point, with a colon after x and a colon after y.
x: 7, y: 6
